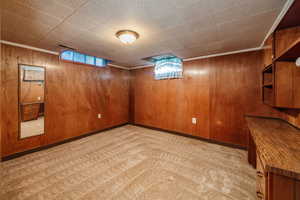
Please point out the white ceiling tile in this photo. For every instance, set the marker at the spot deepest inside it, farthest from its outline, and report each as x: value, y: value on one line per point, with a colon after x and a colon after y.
x: 50, y: 7
x: 73, y: 4
x: 187, y: 28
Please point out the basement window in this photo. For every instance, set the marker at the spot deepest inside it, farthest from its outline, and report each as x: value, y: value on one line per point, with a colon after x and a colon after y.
x: 76, y: 57
x: 168, y: 68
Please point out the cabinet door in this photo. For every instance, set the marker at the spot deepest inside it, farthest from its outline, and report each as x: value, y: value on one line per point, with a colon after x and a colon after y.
x: 296, y: 84
x: 287, y: 85
x: 268, y: 51
x: 282, y: 188
x: 284, y: 85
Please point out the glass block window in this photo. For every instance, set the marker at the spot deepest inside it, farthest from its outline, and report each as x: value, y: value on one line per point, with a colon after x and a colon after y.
x: 77, y: 57
x: 90, y: 60
x: 67, y: 55
x: 167, y: 68
x: 101, y: 62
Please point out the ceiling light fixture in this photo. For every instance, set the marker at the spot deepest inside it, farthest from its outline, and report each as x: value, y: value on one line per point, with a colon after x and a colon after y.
x: 127, y: 36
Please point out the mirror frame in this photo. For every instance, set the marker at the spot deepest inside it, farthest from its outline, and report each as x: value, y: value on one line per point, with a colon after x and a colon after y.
x: 19, y: 96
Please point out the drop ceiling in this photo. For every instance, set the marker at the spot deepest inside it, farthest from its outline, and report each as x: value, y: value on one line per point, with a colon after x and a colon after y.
x: 186, y: 28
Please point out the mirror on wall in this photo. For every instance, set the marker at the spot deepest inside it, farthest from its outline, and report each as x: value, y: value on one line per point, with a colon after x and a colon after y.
x: 31, y: 100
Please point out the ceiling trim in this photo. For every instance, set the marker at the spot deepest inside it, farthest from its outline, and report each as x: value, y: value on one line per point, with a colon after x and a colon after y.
x: 223, y: 54
x: 50, y: 52
x: 208, y: 56
x: 141, y: 67
x: 118, y: 66
x: 284, y: 10
x: 28, y: 47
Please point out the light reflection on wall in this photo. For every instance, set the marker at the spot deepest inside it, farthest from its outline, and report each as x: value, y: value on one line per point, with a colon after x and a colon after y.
x: 195, y: 72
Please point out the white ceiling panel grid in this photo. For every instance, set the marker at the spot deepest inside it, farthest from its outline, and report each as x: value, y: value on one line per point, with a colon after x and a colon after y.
x: 188, y: 28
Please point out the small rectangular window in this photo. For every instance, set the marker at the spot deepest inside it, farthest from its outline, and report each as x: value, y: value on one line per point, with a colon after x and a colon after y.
x: 90, y: 60
x: 78, y: 57
x: 74, y: 56
x: 67, y: 55
x: 100, y: 62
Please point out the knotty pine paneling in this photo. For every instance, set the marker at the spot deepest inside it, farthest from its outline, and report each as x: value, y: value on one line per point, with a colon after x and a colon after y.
x: 74, y: 95
x: 217, y: 91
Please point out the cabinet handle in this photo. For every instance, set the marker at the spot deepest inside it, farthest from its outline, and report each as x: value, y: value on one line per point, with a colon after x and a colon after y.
x: 259, y: 195
x: 260, y: 174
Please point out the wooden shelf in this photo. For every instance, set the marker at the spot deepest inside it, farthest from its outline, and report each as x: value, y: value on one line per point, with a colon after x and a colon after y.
x: 291, y: 53
x: 269, y: 85
x: 268, y: 69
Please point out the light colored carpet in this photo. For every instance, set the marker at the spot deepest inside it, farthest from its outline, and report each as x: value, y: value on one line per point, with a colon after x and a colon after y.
x: 129, y: 163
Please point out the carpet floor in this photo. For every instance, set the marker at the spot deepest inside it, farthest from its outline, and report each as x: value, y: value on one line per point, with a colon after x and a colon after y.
x: 129, y: 163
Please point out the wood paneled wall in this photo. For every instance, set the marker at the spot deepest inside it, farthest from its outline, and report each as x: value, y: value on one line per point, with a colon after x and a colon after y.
x: 217, y: 91
x: 1, y: 103
x: 74, y: 95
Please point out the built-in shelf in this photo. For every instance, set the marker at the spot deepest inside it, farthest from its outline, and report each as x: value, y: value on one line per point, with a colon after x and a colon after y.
x: 269, y: 85
x: 291, y: 53
x: 268, y: 69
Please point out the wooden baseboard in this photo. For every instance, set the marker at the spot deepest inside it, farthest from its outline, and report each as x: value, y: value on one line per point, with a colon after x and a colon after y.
x: 17, y: 155
x: 194, y: 137
x: 20, y: 154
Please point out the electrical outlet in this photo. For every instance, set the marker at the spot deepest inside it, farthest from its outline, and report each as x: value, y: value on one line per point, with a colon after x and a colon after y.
x: 99, y: 116
x: 194, y: 120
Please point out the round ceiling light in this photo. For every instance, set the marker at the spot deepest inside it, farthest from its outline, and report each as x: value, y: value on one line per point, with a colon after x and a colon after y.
x: 127, y: 36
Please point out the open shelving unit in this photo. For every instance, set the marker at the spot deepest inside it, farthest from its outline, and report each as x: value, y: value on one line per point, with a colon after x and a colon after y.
x: 267, y: 85
x: 280, y: 76
x: 291, y: 53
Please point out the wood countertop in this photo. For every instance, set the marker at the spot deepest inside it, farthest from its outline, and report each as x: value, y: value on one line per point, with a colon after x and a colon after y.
x: 278, y: 145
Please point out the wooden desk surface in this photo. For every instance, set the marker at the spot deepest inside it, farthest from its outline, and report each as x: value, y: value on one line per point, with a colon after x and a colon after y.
x: 278, y: 145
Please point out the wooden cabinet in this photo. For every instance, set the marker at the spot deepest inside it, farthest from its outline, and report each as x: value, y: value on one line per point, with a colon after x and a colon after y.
x: 268, y: 85
x: 287, y: 44
x: 261, y: 181
x: 271, y: 186
x: 280, y: 76
x: 283, y: 188
x: 268, y: 51
x: 287, y: 85
x: 280, y: 83
x: 276, y: 158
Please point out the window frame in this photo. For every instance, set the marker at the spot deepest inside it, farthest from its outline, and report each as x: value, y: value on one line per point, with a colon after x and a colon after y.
x: 168, y: 78
x: 105, y: 61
